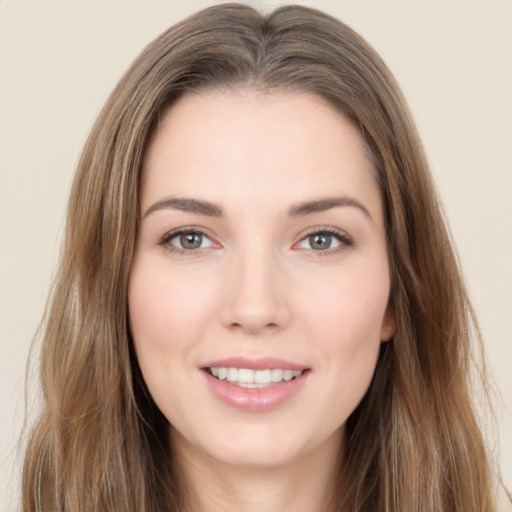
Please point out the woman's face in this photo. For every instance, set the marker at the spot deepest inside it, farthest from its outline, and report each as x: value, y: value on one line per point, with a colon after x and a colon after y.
x: 259, y: 290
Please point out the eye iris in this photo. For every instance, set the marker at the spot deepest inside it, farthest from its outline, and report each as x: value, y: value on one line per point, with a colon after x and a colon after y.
x: 320, y: 241
x: 191, y: 240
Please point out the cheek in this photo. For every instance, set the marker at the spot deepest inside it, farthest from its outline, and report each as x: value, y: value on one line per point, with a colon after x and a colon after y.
x: 350, y: 307
x: 168, y: 315
x: 346, y: 326
x: 167, y: 310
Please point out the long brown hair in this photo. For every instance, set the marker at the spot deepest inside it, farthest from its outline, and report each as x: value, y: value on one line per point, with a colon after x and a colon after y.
x: 100, y: 443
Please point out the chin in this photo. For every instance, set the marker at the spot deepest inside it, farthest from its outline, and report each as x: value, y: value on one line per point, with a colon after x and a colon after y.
x: 254, y: 457
x: 263, y: 446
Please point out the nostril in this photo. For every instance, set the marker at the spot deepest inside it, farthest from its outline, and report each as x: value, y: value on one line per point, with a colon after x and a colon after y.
x: 253, y: 313
x: 254, y: 326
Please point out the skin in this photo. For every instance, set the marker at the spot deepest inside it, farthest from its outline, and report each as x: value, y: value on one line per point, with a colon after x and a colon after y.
x: 259, y: 286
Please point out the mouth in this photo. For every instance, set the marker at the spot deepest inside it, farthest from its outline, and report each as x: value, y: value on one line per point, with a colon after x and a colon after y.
x: 249, y: 378
x: 255, y: 384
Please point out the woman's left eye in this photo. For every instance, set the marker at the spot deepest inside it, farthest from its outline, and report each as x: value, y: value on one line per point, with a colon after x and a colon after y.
x: 324, y: 241
x: 186, y: 241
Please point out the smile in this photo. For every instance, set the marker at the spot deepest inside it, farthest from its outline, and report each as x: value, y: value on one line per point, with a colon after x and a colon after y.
x: 267, y: 384
x: 248, y: 378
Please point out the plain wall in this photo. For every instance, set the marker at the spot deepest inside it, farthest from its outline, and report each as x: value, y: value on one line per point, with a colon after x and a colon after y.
x: 59, y: 60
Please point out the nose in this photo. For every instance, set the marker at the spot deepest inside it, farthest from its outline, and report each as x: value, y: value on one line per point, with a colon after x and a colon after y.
x: 256, y: 299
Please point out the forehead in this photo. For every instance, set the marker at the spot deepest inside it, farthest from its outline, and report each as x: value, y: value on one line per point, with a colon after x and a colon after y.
x: 259, y: 149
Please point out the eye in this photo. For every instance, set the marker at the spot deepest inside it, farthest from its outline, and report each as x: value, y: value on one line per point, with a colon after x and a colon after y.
x: 325, y: 240
x: 186, y: 240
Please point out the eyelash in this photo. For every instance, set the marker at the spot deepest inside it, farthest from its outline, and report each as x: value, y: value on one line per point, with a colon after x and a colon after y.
x: 345, y: 241
x: 165, y: 241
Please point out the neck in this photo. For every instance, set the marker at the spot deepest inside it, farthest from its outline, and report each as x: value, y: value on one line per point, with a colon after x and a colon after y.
x: 302, y: 485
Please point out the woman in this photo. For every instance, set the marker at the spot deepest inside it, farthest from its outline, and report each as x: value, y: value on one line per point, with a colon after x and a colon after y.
x: 258, y: 304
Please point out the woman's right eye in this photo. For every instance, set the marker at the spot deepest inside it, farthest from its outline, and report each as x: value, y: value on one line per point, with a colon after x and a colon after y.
x: 186, y: 241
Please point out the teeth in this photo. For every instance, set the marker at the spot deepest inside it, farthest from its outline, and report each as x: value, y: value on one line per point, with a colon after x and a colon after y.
x: 263, y: 376
x: 232, y: 374
x: 287, y: 375
x: 248, y: 378
x: 277, y: 375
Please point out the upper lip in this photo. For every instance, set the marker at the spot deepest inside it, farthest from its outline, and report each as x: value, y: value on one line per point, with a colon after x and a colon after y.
x: 254, y: 363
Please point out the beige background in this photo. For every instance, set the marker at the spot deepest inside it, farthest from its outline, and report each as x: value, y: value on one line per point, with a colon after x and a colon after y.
x: 59, y: 60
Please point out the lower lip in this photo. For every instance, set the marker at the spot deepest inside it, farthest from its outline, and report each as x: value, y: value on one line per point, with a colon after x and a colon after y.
x: 255, y: 399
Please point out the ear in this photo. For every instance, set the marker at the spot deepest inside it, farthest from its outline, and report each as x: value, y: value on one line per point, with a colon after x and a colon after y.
x: 388, y: 324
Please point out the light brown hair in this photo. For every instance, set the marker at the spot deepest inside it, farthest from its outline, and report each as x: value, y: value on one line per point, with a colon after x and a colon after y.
x: 100, y: 443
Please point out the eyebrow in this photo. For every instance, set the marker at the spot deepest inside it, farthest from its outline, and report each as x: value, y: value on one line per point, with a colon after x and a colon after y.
x: 197, y: 206
x: 324, y: 204
x: 301, y: 209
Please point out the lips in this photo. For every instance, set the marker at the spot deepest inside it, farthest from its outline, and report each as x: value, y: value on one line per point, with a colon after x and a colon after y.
x: 246, y: 377
x: 254, y: 385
